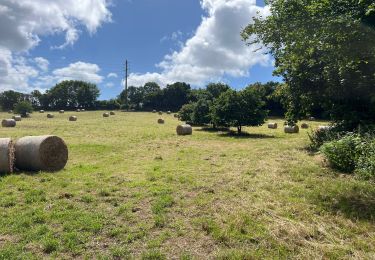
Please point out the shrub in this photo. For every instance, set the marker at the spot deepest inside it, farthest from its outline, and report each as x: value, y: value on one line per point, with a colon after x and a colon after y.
x: 343, y: 154
x: 365, y: 166
x: 23, y: 108
x: 321, y: 136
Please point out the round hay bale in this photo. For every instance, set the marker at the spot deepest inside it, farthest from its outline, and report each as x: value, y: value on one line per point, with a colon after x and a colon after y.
x: 17, y: 118
x: 72, y: 118
x: 41, y: 153
x: 6, y: 155
x: 154, y: 111
x: 105, y: 114
x: 169, y: 112
x: 161, y: 121
x: 62, y: 111
x: 323, y: 128
x: 304, y: 126
x: 272, y: 125
x: 8, y: 123
x: 78, y: 110
x: 184, y: 129
x: 311, y: 118
x: 160, y: 112
x: 10, y: 111
x: 83, y: 110
x: 49, y: 115
x: 27, y: 115
x: 112, y: 113
x: 41, y: 111
x: 291, y: 129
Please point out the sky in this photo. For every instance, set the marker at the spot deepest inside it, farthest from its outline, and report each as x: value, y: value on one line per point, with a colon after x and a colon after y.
x: 43, y: 42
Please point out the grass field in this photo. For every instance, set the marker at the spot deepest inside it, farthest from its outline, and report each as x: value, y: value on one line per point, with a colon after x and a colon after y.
x: 134, y: 189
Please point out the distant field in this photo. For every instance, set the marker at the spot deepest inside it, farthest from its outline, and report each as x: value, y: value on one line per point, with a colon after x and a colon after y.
x: 134, y: 189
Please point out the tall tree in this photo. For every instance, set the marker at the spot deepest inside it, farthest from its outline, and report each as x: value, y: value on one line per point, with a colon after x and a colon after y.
x: 9, y: 98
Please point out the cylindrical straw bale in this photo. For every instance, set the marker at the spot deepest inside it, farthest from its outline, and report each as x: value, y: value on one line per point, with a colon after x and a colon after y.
x: 6, y: 155
x: 41, y: 111
x: 62, y: 111
x: 83, y: 110
x: 323, y: 128
x: 8, y: 123
x: 41, y: 153
x: 49, y: 115
x: 184, y: 129
x: 311, y: 118
x: 272, y: 125
x: 160, y: 112
x: 304, y: 126
x: 78, y: 110
x: 72, y: 118
x: 291, y: 129
x: 10, y: 111
x: 161, y: 121
x: 169, y: 112
x: 105, y: 114
x: 112, y: 113
x: 154, y: 111
x: 17, y: 118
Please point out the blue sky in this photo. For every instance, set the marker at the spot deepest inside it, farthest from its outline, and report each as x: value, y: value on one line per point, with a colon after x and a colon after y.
x: 164, y: 41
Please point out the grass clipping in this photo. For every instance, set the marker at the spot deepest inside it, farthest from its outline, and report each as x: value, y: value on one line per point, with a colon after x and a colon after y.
x: 41, y: 153
x: 6, y: 155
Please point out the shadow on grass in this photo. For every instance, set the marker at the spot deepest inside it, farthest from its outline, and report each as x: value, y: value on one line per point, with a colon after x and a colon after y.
x: 245, y: 135
x: 213, y: 130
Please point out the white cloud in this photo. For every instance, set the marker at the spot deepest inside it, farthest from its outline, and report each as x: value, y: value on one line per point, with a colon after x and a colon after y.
x: 79, y: 71
x: 42, y: 63
x: 112, y: 75
x: 110, y: 85
x: 215, y: 50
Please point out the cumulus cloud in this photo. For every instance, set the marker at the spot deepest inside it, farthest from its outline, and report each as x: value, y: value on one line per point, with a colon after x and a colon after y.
x: 23, y: 22
x: 79, y: 71
x: 215, y: 50
x: 112, y: 75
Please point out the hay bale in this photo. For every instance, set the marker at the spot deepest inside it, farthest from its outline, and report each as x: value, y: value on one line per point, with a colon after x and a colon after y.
x: 41, y: 111
x: 169, y: 112
x: 78, y: 110
x: 304, y: 126
x: 323, y: 128
x: 272, y: 125
x: 10, y: 111
x: 27, y: 115
x: 17, y: 118
x: 83, y: 110
x: 291, y: 129
x: 311, y: 118
x: 161, y: 121
x: 105, y: 114
x: 154, y: 111
x: 49, y: 115
x: 112, y: 113
x: 61, y: 111
x: 8, y: 123
x: 41, y: 153
x: 160, y: 112
x: 72, y: 118
x: 184, y: 129
x: 6, y: 155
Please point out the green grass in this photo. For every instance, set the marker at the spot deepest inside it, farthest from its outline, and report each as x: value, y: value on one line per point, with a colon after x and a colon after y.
x: 134, y: 189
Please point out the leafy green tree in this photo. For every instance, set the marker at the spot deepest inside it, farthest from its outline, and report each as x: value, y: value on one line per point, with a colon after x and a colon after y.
x: 175, y: 96
x: 9, y: 98
x: 23, y: 108
x: 201, y: 112
x: 238, y: 109
x: 325, y: 52
x: 186, y: 112
x: 216, y: 89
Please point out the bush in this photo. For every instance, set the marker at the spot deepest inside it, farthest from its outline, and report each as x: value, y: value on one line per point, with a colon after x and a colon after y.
x: 365, y: 166
x: 319, y: 137
x: 343, y: 154
x: 23, y: 108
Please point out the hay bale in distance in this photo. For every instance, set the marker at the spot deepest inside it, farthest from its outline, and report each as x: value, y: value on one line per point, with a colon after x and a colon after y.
x: 184, y: 129
x: 112, y: 113
x: 323, y: 128
x: 17, y: 118
x: 72, y: 118
x: 154, y: 111
x: 61, y: 111
x: 169, y: 112
x: 6, y: 155
x: 304, y: 126
x: 311, y: 118
x: 83, y: 110
x: 272, y: 125
x: 78, y: 110
x: 41, y: 153
x: 105, y: 114
x: 41, y: 111
x: 291, y: 129
x: 160, y: 112
x: 49, y: 115
x: 161, y: 121
x: 8, y: 123
x: 10, y: 111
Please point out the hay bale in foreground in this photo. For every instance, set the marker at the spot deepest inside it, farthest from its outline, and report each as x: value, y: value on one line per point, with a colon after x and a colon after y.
x: 272, y: 125
x: 41, y: 111
x: 161, y: 121
x: 304, y: 126
x: 291, y: 129
x: 72, y: 118
x: 184, y: 129
x: 49, y: 115
x: 112, y: 113
x: 6, y: 155
x: 17, y: 118
x: 62, y: 111
x: 105, y: 114
x: 8, y: 123
x: 41, y: 153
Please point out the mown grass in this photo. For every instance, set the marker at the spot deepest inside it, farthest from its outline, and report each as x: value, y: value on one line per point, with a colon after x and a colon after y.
x: 133, y: 189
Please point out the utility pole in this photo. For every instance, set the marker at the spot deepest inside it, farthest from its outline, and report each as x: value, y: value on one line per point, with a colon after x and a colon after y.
x: 126, y: 85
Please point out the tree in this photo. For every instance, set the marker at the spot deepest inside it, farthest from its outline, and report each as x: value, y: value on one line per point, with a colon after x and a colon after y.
x: 201, y: 112
x: 216, y: 89
x: 186, y: 111
x: 23, y: 108
x: 238, y: 109
x: 9, y: 98
x: 175, y: 96
x: 324, y: 51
